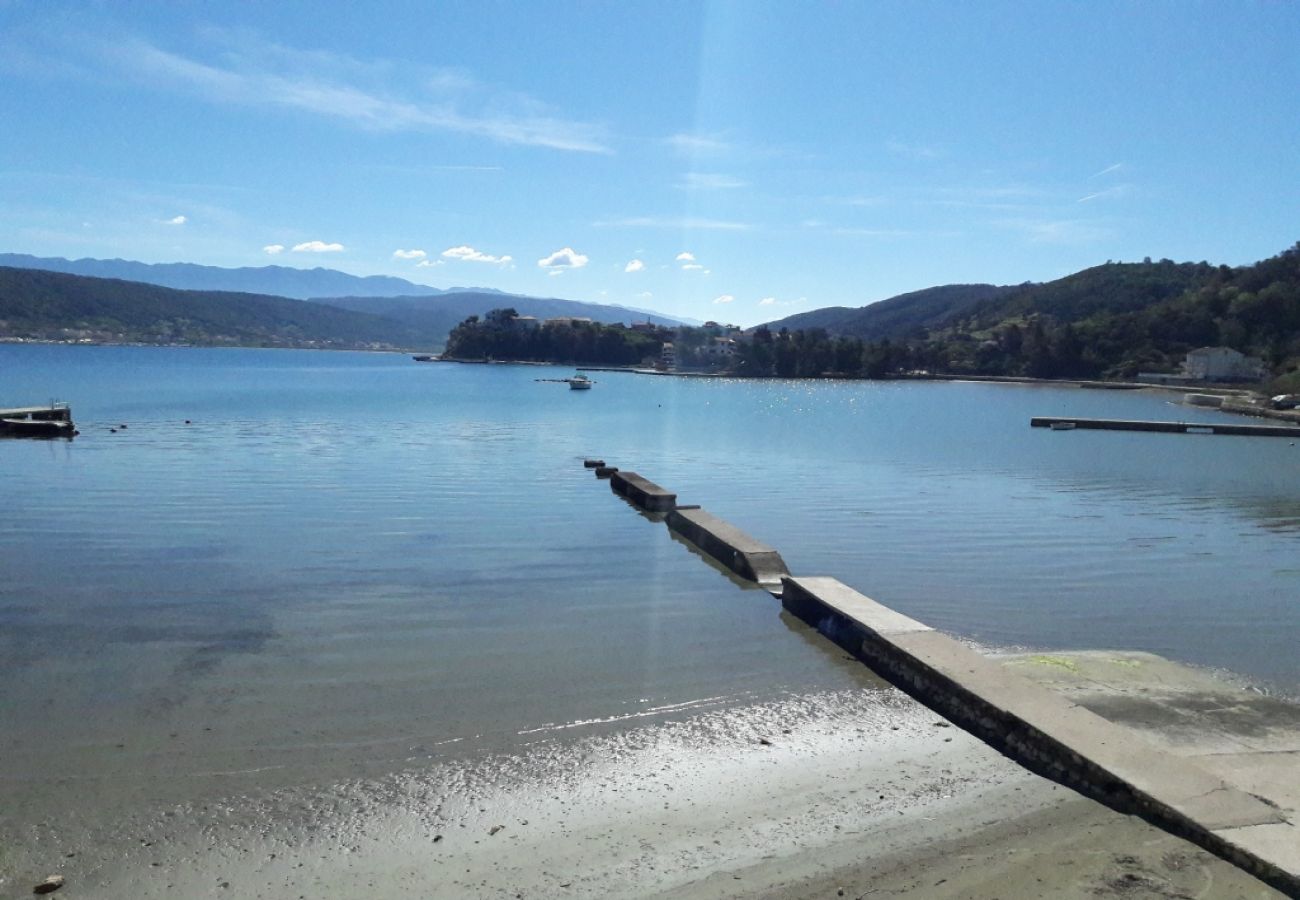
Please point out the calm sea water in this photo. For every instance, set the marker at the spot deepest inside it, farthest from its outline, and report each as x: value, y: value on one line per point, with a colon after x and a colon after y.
x: 345, y: 560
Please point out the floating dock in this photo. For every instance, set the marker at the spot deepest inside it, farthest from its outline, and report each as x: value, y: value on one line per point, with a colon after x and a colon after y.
x: 1060, y: 423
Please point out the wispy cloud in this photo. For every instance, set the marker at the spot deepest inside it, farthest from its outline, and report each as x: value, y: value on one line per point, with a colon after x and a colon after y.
x: 913, y: 151
x: 635, y: 265
x: 430, y: 263
x: 1110, y: 193
x: 767, y: 301
x: 176, y: 220
x: 725, y: 298
x: 695, y: 144
x: 273, y: 249
x: 685, y: 223
x: 562, y: 260
x: 469, y: 254
x: 711, y: 181
x: 1106, y: 171
x: 1056, y: 231
x: 317, y: 247
x: 685, y: 256
x: 409, y: 254
x: 377, y: 95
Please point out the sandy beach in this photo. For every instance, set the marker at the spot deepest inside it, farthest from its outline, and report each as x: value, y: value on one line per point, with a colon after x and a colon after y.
x: 861, y: 792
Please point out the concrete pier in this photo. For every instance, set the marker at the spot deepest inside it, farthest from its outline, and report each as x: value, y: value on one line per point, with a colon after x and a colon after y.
x: 642, y: 492
x: 742, y: 554
x: 1232, y: 792
x: 1171, y: 427
x: 54, y: 412
x: 1050, y: 735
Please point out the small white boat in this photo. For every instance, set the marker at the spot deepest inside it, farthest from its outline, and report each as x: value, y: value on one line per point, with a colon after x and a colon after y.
x: 1062, y: 426
x: 579, y: 382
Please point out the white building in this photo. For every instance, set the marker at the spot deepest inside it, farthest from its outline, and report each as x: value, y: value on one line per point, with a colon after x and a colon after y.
x: 1222, y: 364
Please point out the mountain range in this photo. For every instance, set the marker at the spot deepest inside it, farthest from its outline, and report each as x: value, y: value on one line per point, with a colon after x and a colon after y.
x: 269, y: 305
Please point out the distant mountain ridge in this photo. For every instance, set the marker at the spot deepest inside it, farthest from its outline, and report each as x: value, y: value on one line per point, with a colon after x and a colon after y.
x: 278, y: 281
x: 444, y: 312
x: 40, y: 304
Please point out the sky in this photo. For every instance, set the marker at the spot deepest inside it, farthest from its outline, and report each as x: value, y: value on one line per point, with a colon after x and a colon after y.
x: 729, y: 161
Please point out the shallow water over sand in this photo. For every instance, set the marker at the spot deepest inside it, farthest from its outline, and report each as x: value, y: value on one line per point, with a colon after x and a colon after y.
x: 348, y: 564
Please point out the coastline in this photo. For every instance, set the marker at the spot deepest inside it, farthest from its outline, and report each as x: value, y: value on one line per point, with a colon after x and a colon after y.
x: 863, y: 792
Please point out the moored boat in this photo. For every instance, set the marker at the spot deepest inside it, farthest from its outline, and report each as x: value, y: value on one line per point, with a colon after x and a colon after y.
x: 579, y: 382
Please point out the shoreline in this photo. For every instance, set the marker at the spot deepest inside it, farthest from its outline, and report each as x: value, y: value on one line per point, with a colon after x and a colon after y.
x: 861, y: 791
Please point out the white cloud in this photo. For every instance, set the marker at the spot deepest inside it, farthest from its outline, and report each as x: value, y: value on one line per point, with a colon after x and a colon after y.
x: 176, y: 220
x: 429, y: 263
x: 685, y: 256
x: 725, y: 298
x: 697, y: 144
x: 711, y: 181
x: 273, y: 249
x: 557, y: 262
x: 1106, y: 171
x: 644, y: 295
x: 409, y: 254
x: 377, y: 94
x: 913, y: 151
x: 1118, y: 190
x: 691, y: 267
x: 469, y: 254
x: 635, y: 265
x: 317, y: 247
x: 767, y: 301
x: 1061, y: 231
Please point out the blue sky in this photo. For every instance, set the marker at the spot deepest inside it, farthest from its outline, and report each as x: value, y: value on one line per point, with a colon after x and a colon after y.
x: 732, y: 161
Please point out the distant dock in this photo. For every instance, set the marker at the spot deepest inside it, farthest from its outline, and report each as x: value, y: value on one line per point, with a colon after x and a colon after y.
x: 52, y: 420
x: 1059, y: 423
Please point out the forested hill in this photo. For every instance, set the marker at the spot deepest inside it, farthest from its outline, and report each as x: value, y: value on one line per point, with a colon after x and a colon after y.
x: 41, y: 305
x: 1110, y: 321
x: 907, y: 315
x: 1118, y: 319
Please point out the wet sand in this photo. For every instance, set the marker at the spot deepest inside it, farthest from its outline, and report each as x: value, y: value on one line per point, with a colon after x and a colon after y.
x: 861, y: 791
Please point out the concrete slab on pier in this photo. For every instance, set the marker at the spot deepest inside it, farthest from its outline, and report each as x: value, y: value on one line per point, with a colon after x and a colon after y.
x: 642, y: 492
x: 1241, y: 805
x: 746, y: 556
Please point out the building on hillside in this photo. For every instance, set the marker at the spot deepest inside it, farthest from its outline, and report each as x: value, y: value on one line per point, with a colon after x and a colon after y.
x: 527, y: 322
x: 568, y: 321
x: 1221, y: 364
x: 719, y: 349
x: 649, y: 327
x: 668, y: 357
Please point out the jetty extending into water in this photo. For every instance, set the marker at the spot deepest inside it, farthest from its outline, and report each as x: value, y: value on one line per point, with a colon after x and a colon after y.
x: 1239, y: 800
x: 1063, y: 423
x: 51, y: 420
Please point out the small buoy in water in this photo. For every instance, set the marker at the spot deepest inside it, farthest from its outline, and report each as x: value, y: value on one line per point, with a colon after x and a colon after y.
x: 121, y: 426
x: 112, y: 431
x: 187, y: 421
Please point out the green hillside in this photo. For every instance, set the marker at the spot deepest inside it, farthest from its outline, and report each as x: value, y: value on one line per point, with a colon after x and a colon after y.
x: 907, y: 315
x: 42, y: 305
